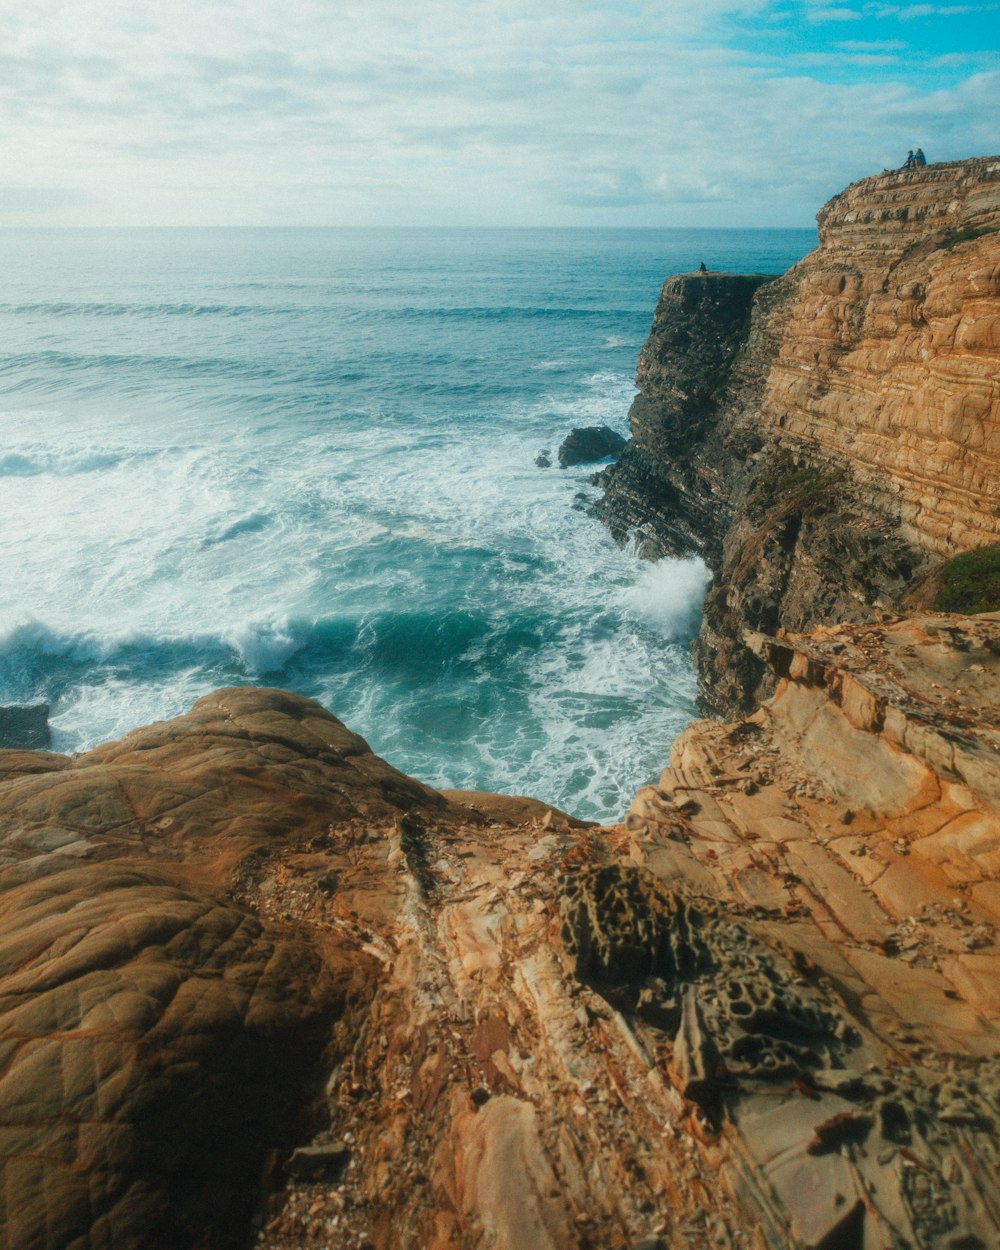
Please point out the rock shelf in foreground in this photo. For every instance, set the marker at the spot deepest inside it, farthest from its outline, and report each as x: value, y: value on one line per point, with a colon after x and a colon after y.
x: 760, y: 1013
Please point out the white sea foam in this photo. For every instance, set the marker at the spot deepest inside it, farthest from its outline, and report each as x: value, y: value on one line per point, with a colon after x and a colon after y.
x: 264, y: 646
x: 30, y: 464
x: 668, y: 596
x: 344, y: 500
x: 252, y: 523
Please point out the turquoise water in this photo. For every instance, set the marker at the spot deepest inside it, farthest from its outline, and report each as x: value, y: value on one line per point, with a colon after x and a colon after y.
x: 306, y: 459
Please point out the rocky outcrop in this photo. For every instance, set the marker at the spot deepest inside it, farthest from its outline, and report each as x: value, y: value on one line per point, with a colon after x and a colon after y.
x: 853, y: 822
x: 253, y: 980
x: 662, y: 490
x: 588, y: 443
x: 159, y: 1038
x: 853, y: 440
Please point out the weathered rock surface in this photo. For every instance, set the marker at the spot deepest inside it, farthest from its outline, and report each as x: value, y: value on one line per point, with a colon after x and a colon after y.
x: 250, y: 972
x: 853, y: 823
x: 658, y: 487
x: 850, y: 443
x: 158, y: 1039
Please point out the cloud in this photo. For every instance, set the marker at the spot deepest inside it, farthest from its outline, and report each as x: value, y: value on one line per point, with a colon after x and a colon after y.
x: 910, y: 12
x: 834, y: 15
x: 871, y: 45
x: 32, y: 201
x: 468, y: 111
x: 838, y: 60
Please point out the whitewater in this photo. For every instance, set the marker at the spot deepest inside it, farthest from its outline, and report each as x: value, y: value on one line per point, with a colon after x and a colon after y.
x: 306, y: 459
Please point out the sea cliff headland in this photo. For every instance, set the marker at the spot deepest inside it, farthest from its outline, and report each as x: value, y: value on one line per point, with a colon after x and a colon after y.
x: 257, y: 987
x: 826, y: 438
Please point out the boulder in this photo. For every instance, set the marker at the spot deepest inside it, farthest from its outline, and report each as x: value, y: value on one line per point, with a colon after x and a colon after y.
x: 589, y: 443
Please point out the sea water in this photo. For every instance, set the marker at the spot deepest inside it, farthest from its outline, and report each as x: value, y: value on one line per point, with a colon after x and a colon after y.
x: 306, y: 459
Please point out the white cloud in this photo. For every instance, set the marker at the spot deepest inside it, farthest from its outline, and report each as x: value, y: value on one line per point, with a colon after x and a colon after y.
x: 872, y: 45
x: 910, y: 12
x: 467, y: 111
x: 832, y: 14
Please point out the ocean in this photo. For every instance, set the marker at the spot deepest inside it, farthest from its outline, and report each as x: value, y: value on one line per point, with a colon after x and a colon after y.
x: 306, y: 458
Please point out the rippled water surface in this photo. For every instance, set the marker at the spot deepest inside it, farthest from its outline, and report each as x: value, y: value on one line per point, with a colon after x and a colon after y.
x: 306, y: 459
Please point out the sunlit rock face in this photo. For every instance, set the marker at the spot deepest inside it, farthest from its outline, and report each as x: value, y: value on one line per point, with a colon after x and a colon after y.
x: 890, y: 360
x: 853, y: 439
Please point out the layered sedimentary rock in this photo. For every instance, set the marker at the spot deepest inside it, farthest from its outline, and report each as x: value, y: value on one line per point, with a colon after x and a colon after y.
x: 853, y: 440
x: 255, y: 984
x: 856, y: 818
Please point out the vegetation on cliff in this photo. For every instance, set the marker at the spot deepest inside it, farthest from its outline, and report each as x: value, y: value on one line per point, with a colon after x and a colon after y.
x: 970, y: 583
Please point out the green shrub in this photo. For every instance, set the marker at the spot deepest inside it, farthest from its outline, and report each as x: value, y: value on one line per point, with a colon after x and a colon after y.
x: 804, y: 481
x: 970, y: 583
x: 966, y: 235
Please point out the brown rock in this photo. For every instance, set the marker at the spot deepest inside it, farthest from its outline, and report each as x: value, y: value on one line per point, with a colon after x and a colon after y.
x: 831, y: 449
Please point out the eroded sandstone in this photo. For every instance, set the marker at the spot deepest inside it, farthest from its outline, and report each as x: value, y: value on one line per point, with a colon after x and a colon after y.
x: 849, y: 440
x: 257, y: 984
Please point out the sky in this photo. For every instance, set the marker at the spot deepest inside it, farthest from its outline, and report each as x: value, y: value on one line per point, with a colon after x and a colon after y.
x: 478, y: 112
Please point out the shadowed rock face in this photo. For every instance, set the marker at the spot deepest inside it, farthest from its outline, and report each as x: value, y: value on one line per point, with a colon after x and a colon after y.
x: 658, y: 487
x: 156, y: 1037
x: 854, y: 440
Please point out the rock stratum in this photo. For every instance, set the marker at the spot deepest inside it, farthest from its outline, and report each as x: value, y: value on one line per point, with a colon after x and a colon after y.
x: 258, y: 988
x: 825, y: 439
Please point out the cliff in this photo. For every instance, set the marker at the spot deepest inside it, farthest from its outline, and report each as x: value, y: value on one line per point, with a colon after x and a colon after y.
x: 850, y: 439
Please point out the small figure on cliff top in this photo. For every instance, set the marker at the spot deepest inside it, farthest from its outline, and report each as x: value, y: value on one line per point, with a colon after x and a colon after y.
x: 701, y: 268
x: 919, y: 158
x: 908, y: 163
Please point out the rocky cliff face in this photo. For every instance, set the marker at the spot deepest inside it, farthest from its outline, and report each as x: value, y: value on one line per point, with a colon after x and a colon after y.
x: 852, y: 441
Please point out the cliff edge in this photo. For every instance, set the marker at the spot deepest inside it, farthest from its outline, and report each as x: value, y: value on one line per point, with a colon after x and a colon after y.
x: 851, y: 438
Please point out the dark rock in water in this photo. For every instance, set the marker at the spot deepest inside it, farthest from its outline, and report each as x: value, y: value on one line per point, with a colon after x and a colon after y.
x: 544, y: 459
x: 593, y: 442
x: 25, y: 728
